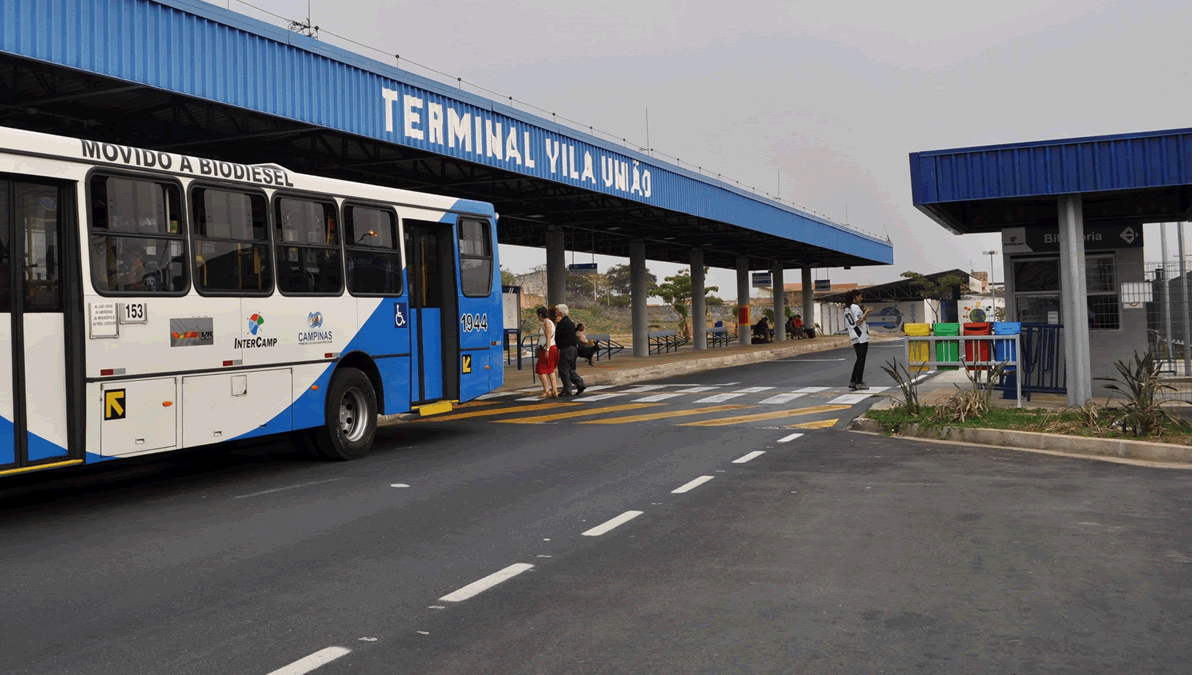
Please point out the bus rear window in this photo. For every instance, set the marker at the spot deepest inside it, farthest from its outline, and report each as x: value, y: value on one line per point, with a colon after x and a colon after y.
x: 136, y: 242
x: 475, y: 258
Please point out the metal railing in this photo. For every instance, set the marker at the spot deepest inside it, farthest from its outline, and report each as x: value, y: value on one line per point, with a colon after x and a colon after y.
x: 1009, y: 344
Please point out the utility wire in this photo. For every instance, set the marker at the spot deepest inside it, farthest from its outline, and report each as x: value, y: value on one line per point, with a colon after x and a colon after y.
x: 560, y: 118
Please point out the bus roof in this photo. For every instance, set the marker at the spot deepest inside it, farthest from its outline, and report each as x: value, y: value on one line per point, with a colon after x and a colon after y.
x: 262, y: 175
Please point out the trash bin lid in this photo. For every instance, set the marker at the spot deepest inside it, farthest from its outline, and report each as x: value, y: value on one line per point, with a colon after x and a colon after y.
x: 945, y: 329
x: 977, y: 328
x: 916, y: 329
x: 1007, y: 327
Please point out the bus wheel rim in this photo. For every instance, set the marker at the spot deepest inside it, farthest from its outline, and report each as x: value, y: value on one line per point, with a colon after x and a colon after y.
x: 352, y: 415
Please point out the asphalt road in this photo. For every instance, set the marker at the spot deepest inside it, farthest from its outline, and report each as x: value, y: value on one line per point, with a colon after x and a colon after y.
x: 732, y: 549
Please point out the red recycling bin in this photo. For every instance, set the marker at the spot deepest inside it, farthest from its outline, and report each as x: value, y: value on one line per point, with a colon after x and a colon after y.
x: 982, y: 328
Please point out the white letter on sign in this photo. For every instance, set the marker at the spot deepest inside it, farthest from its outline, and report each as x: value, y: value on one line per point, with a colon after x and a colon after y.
x: 389, y: 97
x: 412, y: 118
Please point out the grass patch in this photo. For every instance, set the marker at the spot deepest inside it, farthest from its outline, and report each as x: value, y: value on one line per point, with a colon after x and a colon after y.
x: 1092, y: 422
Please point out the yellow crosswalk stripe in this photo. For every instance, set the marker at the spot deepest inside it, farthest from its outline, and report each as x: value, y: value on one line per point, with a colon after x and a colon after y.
x: 665, y: 414
x: 492, y: 411
x: 726, y: 421
x: 576, y: 413
x: 819, y: 424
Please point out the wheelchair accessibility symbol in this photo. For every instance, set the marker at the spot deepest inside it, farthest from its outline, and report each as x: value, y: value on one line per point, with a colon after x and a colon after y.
x: 401, y: 311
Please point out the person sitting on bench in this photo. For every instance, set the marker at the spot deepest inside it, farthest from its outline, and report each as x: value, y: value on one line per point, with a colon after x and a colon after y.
x: 587, y: 348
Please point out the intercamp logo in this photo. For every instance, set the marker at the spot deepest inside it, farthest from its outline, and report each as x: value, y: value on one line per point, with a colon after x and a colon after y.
x: 256, y: 320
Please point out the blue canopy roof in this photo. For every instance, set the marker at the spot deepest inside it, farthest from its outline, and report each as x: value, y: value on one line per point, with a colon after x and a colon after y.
x: 1138, y: 177
x: 192, y: 76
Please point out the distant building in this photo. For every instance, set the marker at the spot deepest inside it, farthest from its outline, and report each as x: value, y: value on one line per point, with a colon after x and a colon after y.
x: 793, y: 294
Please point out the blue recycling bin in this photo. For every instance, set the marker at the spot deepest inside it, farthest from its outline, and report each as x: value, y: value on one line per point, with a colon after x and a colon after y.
x: 1006, y: 350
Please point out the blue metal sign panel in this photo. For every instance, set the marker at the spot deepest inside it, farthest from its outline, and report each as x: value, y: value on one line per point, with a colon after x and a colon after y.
x: 197, y: 49
x: 1075, y: 165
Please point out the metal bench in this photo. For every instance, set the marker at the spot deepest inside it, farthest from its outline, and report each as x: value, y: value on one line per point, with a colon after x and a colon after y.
x: 718, y: 337
x: 663, y: 341
x: 605, y: 345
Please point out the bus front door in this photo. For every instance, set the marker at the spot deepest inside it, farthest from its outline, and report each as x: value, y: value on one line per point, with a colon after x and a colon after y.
x: 433, y: 310
x: 34, y: 333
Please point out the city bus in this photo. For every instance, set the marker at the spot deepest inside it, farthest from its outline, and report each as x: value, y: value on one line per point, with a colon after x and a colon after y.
x: 152, y: 301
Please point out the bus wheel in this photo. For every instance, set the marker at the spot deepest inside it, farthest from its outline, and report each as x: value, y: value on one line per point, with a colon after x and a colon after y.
x: 351, y: 413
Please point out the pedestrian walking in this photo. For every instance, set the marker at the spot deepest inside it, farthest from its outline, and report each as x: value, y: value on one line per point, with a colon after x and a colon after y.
x: 547, y: 356
x: 568, y: 352
x: 860, y: 336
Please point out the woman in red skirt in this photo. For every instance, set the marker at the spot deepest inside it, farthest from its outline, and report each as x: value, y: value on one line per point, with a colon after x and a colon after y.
x: 547, y: 357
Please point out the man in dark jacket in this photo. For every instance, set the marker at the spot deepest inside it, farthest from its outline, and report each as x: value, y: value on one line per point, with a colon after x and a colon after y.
x: 568, y: 352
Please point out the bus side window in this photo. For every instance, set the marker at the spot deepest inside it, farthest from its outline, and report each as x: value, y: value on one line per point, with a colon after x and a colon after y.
x: 306, y: 247
x: 372, y: 251
x: 136, y: 242
x: 475, y: 258
x: 230, y: 235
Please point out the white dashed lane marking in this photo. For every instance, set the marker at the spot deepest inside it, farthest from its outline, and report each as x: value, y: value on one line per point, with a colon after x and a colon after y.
x: 473, y: 589
x: 789, y: 437
x: 312, y: 661
x: 719, y: 398
x: 615, y: 522
x: 779, y: 398
x: 267, y: 492
x: 850, y: 399
x: 691, y: 485
x: 749, y: 456
x: 655, y: 398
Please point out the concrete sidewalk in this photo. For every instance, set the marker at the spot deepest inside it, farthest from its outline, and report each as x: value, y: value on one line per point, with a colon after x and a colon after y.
x: 627, y: 369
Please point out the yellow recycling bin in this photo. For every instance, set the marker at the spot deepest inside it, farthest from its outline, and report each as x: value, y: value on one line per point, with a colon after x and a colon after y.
x: 918, y: 352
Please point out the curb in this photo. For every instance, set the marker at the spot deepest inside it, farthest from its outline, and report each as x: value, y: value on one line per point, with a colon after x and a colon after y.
x: 1027, y: 440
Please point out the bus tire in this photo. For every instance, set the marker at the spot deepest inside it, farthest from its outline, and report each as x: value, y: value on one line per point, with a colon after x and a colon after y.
x: 351, y: 415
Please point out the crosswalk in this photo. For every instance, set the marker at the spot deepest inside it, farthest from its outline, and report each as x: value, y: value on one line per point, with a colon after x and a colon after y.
x: 683, y: 405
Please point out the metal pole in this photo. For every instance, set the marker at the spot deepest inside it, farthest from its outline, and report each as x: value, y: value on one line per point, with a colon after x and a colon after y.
x: 1187, y: 301
x: 1162, y: 229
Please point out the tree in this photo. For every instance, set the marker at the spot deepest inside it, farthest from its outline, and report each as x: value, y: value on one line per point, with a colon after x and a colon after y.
x: 676, y: 291
x: 935, y: 292
x: 620, y: 280
x: 584, y: 287
x: 507, y: 278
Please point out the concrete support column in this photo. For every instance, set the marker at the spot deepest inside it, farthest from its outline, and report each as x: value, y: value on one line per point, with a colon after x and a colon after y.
x: 556, y: 267
x: 807, y: 313
x: 699, y: 311
x: 743, y: 300
x: 1074, y: 299
x: 778, y: 295
x: 637, y: 297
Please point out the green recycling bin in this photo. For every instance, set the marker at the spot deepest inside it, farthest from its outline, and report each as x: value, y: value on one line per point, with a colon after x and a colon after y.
x: 946, y: 351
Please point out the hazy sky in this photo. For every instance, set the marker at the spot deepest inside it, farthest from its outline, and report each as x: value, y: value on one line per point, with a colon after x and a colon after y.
x: 831, y: 95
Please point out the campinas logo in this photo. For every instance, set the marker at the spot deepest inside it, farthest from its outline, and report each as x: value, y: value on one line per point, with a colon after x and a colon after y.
x: 314, y: 336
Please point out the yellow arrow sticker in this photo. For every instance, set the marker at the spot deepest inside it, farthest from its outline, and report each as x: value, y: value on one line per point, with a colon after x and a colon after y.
x: 114, y: 404
x: 466, y: 364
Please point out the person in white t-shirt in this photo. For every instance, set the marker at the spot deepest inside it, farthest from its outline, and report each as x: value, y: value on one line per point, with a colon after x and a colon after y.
x: 860, y: 336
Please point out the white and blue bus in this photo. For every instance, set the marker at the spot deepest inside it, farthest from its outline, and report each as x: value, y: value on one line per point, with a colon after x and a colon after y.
x: 151, y: 302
